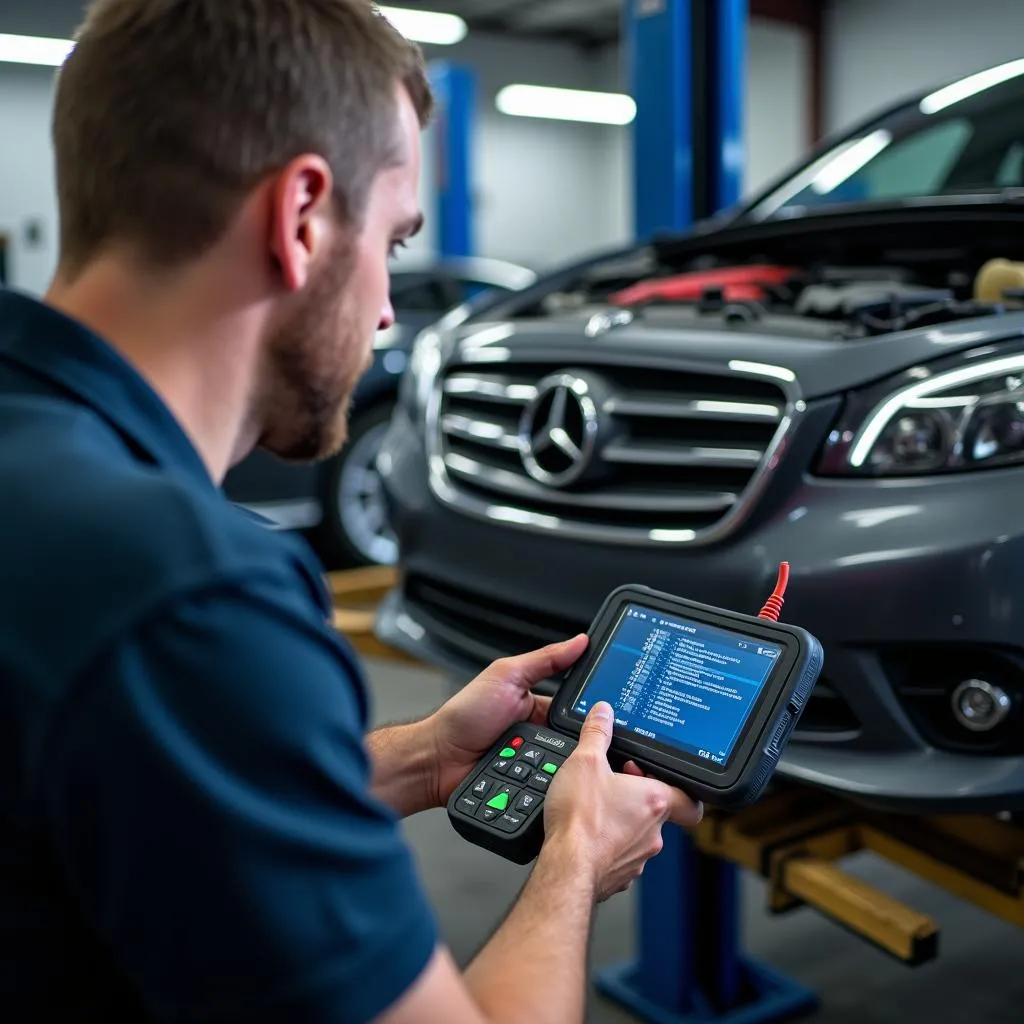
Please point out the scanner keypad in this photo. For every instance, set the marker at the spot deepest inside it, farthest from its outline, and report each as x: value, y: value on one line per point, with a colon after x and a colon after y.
x: 508, y: 788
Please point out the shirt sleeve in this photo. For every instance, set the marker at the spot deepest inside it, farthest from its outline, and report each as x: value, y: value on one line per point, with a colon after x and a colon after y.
x: 207, y: 792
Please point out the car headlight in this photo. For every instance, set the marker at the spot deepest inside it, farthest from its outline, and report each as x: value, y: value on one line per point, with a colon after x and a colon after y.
x: 967, y: 417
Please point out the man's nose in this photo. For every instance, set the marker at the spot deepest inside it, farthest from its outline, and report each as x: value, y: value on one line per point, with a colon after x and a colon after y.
x: 387, y: 317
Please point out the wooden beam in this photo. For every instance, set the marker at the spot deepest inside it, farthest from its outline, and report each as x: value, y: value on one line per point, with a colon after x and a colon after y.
x: 875, y: 916
x: 356, y: 594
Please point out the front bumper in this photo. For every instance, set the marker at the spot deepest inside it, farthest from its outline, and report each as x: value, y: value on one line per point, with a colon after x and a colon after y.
x: 895, y: 578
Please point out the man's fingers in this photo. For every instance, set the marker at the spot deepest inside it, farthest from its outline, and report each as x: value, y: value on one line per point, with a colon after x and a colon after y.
x: 682, y: 810
x: 597, y: 729
x: 530, y: 669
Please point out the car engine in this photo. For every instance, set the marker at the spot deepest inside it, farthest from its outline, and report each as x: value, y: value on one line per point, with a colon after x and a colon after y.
x: 827, y: 303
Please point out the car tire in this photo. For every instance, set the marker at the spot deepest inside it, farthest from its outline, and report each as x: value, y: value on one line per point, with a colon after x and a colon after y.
x: 354, y: 531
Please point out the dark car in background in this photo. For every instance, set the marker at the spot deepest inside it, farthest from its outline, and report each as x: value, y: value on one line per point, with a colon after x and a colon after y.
x: 831, y: 375
x: 338, y: 502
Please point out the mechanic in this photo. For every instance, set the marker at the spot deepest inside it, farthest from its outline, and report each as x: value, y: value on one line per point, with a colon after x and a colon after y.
x: 195, y: 825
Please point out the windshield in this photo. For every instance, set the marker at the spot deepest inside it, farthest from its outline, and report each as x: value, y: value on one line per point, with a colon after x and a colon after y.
x: 966, y: 137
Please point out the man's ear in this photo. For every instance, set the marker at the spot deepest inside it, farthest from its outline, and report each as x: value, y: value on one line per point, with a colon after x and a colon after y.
x: 300, y: 218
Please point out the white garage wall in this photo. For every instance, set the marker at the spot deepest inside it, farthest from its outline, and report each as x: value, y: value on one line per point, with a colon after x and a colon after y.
x: 546, y: 191
x: 27, y: 189
x: 879, y: 51
x: 777, y: 117
x: 547, y: 194
x: 543, y: 192
x: 778, y: 114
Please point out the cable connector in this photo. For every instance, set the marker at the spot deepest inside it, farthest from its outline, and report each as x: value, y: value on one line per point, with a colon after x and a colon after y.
x: 773, y: 606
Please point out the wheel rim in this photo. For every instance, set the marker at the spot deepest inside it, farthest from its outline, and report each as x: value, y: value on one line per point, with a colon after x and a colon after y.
x: 361, y: 506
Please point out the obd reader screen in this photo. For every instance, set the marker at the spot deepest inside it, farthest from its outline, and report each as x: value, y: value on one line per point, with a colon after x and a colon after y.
x: 681, y: 683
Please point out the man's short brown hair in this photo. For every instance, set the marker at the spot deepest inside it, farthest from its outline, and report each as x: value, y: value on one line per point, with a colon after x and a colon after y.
x: 169, y: 112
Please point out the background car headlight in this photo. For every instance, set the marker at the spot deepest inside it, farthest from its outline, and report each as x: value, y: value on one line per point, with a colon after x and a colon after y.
x: 428, y: 353
x: 934, y: 420
x: 418, y: 379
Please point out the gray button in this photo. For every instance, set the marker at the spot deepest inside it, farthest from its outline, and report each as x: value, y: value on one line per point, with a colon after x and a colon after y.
x: 527, y: 802
x: 486, y: 813
x: 520, y: 770
x: 510, y: 821
x: 501, y: 765
x: 539, y: 781
x: 533, y: 756
x: 483, y: 788
x: 468, y: 804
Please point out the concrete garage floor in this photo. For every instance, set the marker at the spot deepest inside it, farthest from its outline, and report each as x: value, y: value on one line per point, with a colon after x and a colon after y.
x: 979, y: 975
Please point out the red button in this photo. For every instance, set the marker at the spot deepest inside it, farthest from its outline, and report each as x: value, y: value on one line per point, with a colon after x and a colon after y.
x: 516, y: 743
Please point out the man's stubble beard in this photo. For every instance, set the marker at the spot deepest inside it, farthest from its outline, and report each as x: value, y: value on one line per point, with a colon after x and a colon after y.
x: 314, y: 364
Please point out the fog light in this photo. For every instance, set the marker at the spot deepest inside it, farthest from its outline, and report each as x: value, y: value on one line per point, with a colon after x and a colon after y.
x: 980, y: 706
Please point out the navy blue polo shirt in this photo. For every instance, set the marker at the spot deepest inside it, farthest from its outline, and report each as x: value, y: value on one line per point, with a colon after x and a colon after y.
x: 186, y: 828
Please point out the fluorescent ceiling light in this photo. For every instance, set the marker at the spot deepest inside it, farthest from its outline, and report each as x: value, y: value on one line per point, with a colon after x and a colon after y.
x: 566, y: 104
x: 850, y: 161
x: 49, y: 53
x: 429, y: 27
x: 971, y: 86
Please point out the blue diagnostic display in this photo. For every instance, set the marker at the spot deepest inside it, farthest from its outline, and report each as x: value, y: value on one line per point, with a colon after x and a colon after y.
x: 679, y: 682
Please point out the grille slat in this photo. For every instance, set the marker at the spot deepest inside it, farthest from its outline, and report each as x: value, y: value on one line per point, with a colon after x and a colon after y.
x: 681, y: 455
x: 674, y: 454
x: 493, y: 388
x: 671, y: 407
x: 480, y: 431
x: 626, y: 500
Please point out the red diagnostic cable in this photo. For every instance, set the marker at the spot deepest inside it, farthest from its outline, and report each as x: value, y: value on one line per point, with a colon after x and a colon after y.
x: 773, y: 606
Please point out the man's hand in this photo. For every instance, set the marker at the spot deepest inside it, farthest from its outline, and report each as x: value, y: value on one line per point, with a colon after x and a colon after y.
x: 474, y: 719
x: 609, y: 823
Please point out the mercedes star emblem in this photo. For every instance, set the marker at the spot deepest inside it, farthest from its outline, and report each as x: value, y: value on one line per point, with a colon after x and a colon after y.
x: 558, y: 431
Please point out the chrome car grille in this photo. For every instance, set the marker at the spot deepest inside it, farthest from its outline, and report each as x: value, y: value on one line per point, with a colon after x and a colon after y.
x: 633, y: 454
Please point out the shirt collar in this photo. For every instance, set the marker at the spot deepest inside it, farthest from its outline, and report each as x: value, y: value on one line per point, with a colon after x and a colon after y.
x: 57, y: 348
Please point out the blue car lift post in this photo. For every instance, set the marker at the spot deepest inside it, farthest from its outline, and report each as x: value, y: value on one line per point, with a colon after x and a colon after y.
x: 454, y: 88
x: 686, y: 66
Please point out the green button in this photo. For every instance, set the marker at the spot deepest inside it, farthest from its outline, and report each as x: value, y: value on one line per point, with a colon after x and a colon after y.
x: 499, y: 802
x: 507, y: 752
x: 550, y: 768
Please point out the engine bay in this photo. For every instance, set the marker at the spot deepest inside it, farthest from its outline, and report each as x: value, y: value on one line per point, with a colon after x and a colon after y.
x: 821, y: 302
x: 840, y: 278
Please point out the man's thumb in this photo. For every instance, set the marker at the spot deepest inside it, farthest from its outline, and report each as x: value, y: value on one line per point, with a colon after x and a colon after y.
x: 597, y: 729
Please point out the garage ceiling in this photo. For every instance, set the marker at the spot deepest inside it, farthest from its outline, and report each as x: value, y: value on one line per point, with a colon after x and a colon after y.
x: 587, y: 22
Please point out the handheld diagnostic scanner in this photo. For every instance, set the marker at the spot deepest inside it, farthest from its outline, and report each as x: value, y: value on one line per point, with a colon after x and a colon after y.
x: 705, y: 699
